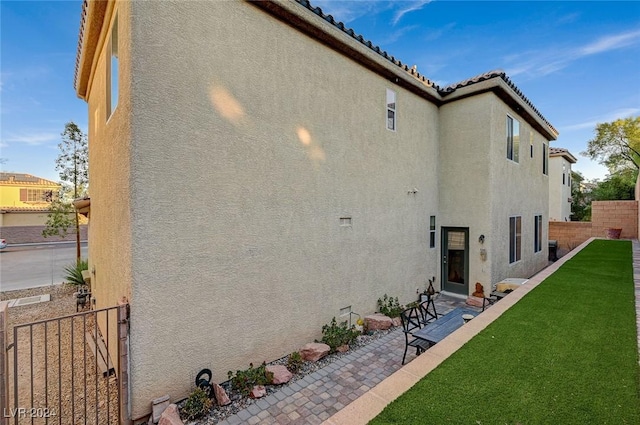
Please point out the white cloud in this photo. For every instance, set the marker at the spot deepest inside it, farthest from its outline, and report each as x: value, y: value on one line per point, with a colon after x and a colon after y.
x: 548, y: 61
x: 408, y: 7
x: 609, y: 117
x: 348, y: 11
x: 32, y: 139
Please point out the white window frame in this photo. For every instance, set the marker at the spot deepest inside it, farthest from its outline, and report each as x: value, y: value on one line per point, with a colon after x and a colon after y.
x: 432, y: 231
x: 515, y: 239
x: 537, y: 233
x: 513, y: 139
x: 391, y: 111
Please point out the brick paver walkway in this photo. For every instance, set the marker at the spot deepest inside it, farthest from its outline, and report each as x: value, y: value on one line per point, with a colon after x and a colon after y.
x: 319, y: 395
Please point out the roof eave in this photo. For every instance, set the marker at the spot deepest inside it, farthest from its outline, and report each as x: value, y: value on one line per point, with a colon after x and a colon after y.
x: 92, y: 20
x: 501, y: 89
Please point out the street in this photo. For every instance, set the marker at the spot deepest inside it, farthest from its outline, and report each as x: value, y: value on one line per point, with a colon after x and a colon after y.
x: 28, y: 266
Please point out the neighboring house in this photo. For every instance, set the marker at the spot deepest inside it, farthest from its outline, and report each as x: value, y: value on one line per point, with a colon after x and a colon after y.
x: 257, y: 169
x: 560, y: 161
x: 25, y: 199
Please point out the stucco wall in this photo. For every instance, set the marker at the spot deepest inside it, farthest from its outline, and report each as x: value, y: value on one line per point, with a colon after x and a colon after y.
x: 559, y: 193
x: 480, y: 188
x: 23, y: 219
x: 257, y: 140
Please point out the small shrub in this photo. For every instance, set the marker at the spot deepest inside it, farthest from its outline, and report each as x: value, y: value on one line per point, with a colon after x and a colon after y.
x: 245, y: 380
x: 389, y: 306
x: 197, y: 404
x: 335, y: 335
x: 73, y: 273
x: 294, y: 362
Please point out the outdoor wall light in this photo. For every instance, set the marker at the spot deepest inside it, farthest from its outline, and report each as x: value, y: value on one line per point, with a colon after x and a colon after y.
x: 483, y: 254
x: 481, y: 239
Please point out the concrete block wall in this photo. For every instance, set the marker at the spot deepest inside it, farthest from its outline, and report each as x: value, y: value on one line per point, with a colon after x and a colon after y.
x: 615, y: 214
x: 604, y: 215
x: 33, y: 234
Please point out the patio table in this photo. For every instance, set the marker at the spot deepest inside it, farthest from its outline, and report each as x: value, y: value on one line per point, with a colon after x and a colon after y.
x: 438, y: 330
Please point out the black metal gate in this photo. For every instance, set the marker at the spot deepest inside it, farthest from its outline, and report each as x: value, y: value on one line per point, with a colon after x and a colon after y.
x: 68, y: 370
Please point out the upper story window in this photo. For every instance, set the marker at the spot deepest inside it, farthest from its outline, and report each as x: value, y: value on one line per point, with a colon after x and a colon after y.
x: 515, y: 239
x: 531, y: 143
x: 112, y: 69
x: 513, y: 139
x: 37, y: 195
x: 391, y: 110
x: 545, y: 159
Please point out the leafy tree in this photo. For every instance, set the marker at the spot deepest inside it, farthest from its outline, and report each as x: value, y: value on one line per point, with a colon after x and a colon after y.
x: 616, y: 144
x: 618, y: 186
x: 72, y: 165
x: 581, y: 198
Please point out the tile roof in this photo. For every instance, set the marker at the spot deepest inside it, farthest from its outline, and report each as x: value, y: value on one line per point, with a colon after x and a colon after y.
x: 21, y: 178
x: 83, y: 20
x: 23, y: 209
x: 563, y: 152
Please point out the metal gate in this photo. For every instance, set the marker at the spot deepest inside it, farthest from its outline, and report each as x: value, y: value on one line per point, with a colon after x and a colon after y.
x: 68, y: 370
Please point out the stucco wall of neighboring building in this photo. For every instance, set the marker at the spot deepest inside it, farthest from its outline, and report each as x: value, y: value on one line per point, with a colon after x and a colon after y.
x: 559, y: 192
x: 239, y: 254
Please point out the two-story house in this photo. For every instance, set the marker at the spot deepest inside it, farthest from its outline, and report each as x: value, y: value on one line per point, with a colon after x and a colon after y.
x: 560, y: 161
x: 258, y: 168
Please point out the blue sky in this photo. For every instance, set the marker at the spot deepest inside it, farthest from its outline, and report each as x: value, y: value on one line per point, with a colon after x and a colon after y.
x: 577, y: 61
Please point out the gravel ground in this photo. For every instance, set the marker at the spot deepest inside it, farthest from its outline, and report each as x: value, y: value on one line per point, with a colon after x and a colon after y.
x: 57, y: 375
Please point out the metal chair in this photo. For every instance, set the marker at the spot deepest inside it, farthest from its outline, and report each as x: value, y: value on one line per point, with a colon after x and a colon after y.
x: 428, y: 311
x: 411, y: 320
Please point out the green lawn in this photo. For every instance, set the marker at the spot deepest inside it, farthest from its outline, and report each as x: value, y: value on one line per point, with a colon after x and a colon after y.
x: 567, y: 353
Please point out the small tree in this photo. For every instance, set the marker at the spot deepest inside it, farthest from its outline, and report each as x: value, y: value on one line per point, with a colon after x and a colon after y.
x: 72, y: 165
x: 616, y: 144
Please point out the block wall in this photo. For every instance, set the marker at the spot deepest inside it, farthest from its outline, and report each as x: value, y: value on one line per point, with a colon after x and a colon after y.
x: 33, y: 234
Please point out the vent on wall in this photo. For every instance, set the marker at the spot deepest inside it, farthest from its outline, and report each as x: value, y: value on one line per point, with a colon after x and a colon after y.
x: 345, y: 221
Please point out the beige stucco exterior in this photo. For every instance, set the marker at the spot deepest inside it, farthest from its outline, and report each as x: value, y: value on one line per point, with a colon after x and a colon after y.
x: 222, y: 184
x: 560, y: 186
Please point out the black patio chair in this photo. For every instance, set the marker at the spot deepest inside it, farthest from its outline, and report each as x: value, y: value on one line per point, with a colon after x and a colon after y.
x: 428, y: 311
x: 411, y: 321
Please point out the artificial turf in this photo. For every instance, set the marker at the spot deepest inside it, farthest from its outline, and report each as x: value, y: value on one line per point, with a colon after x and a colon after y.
x: 566, y: 353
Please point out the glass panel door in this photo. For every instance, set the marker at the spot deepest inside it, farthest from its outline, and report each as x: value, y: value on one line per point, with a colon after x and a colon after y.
x: 455, y: 260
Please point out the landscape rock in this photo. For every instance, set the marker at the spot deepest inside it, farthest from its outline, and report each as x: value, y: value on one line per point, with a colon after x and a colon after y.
x: 258, y: 391
x: 343, y: 348
x: 158, y: 406
x: 396, y: 321
x: 378, y: 322
x: 281, y: 374
x: 221, y: 395
x: 170, y: 416
x: 314, y: 351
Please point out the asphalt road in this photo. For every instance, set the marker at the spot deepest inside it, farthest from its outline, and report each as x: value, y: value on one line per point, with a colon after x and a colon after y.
x: 29, y: 266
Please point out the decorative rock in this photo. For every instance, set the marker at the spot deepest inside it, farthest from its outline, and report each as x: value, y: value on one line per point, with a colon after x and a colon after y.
x: 475, y: 301
x: 258, y: 391
x: 343, y: 348
x: 396, y: 321
x: 170, y: 416
x: 158, y: 406
x: 281, y: 374
x: 378, y: 322
x: 221, y: 395
x: 314, y: 351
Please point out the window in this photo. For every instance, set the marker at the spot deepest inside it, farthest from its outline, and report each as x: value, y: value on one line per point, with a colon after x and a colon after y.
x: 545, y: 160
x: 513, y: 139
x: 531, y: 143
x: 432, y: 231
x: 112, y: 69
x: 537, y: 234
x: 37, y: 195
x: 564, y: 178
x: 391, y: 110
x: 515, y: 236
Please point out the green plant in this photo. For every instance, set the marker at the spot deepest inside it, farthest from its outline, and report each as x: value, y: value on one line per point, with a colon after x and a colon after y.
x: 73, y: 273
x: 294, y: 362
x: 335, y: 335
x: 389, y: 306
x: 245, y: 380
x: 198, y: 403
